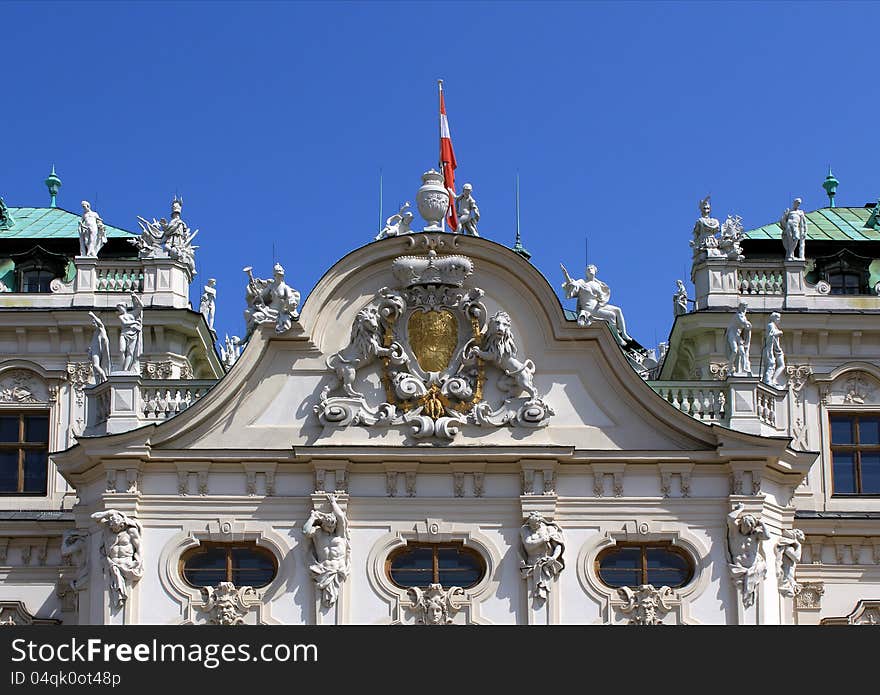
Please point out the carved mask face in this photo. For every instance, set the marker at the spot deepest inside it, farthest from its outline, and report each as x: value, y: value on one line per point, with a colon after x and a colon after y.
x: 435, y: 614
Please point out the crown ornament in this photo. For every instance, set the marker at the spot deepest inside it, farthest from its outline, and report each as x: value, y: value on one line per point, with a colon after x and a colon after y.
x: 432, y: 269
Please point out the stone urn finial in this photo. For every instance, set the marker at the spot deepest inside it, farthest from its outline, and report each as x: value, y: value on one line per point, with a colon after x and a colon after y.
x: 433, y: 200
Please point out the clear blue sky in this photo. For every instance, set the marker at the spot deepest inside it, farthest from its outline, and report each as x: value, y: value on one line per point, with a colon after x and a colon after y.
x: 274, y: 119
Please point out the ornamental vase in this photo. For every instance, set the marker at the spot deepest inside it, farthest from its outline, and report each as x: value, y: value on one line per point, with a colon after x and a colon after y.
x: 433, y: 200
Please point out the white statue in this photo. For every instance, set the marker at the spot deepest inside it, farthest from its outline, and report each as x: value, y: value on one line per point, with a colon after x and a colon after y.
x: 398, y: 223
x: 131, y: 344
x: 467, y: 211
x: 164, y: 238
x: 788, y: 554
x: 434, y: 604
x: 773, y: 357
x: 543, y: 545
x: 121, y: 546
x: 645, y: 602
x: 706, y: 230
x: 499, y: 348
x: 99, y: 351
x: 331, y: 550
x: 739, y: 340
x: 92, y: 234
x: 732, y: 233
x: 75, y: 551
x: 207, y: 302
x: 230, y: 350
x: 225, y: 603
x: 746, y: 560
x: 270, y: 300
x: 592, y: 301
x: 794, y: 231
x: 680, y: 299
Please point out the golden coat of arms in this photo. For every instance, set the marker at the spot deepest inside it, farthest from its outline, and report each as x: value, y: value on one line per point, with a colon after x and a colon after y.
x: 433, y: 337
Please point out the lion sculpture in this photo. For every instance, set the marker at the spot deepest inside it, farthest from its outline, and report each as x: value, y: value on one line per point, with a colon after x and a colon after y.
x: 364, y: 347
x: 499, y: 348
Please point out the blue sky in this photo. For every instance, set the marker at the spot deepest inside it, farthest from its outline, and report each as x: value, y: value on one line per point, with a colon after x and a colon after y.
x: 273, y: 121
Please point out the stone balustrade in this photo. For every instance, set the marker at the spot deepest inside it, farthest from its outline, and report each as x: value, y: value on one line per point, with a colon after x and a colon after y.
x: 757, y: 278
x: 164, y: 399
x: 703, y: 400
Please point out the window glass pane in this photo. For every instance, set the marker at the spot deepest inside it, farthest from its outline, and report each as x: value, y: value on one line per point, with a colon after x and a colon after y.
x: 843, y: 468
x: 870, y: 469
x: 869, y: 431
x: 36, y: 428
x: 9, y: 428
x: 9, y: 471
x: 36, y: 463
x: 667, y: 568
x: 458, y: 568
x: 205, y: 567
x: 621, y: 567
x: 251, y: 567
x: 842, y: 430
x: 413, y: 567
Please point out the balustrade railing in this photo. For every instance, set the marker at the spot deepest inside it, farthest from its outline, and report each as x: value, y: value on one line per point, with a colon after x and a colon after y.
x: 164, y: 399
x: 761, y: 280
x: 703, y: 400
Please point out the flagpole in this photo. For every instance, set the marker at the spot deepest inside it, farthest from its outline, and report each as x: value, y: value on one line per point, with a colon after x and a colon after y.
x: 440, y: 142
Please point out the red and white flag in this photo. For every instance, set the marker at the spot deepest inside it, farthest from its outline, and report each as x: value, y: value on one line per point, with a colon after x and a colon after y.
x: 447, y: 162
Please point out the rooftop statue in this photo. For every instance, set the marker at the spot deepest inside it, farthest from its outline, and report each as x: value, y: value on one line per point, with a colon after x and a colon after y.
x: 131, y: 344
x: 706, y: 229
x: 208, y: 301
x: 270, y: 301
x: 680, y: 299
x: 99, y: 351
x: 794, y: 231
x: 732, y: 233
x: 230, y: 350
x: 739, y: 340
x: 92, y: 234
x: 398, y: 224
x: 467, y: 211
x: 773, y: 357
x: 167, y: 239
x: 592, y: 301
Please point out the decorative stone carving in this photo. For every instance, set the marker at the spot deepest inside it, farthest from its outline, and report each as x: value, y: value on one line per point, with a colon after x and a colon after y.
x: 542, y: 545
x: 645, y: 603
x: 592, y: 302
x: 866, y: 612
x: 167, y: 239
x: 131, y: 344
x: 92, y: 234
x: 773, y: 357
x: 467, y: 211
x: 706, y: 228
x: 686, y: 484
x: 434, y: 605
x: 458, y: 484
x: 810, y: 596
x: 391, y: 483
x: 331, y: 549
x: 719, y: 371
x: 857, y: 390
x: 410, y: 482
x: 121, y: 548
x: 270, y: 301
x: 788, y: 554
x: 99, y: 351
x: 7, y: 221
x: 21, y: 386
x: 745, y: 533
x: 666, y: 484
x: 432, y: 200
x: 398, y: 224
x: 794, y: 231
x: 203, y: 483
x: 207, y: 302
x: 680, y: 299
x: 797, y: 377
x: 528, y: 482
x: 75, y: 553
x: 739, y: 340
x: 478, y: 484
x: 435, y: 351
x: 78, y: 373
x: 226, y: 604
x: 732, y: 234
x: 617, y: 482
x: 159, y: 370
x: 230, y: 351
x: 549, y: 482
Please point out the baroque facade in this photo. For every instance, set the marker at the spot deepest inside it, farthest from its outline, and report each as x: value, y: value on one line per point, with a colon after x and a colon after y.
x: 433, y: 438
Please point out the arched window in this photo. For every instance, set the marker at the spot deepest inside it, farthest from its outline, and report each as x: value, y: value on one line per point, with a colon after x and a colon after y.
x: 422, y: 564
x: 634, y: 564
x: 243, y: 564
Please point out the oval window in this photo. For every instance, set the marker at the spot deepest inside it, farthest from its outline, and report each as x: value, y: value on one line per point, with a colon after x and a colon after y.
x: 419, y: 565
x: 243, y: 564
x: 659, y: 564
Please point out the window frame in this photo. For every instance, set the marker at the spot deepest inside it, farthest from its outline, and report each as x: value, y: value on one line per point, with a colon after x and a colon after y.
x: 668, y: 546
x: 435, y: 573
x: 23, y: 446
x: 229, y: 547
x: 855, y: 448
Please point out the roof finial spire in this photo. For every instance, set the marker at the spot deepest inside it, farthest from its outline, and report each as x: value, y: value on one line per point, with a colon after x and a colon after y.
x: 830, y: 185
x: 517, y: 246
x: 53, y: 183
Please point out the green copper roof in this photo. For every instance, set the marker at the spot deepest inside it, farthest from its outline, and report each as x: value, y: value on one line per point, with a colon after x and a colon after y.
x: 49, y: 223
x: 827, y: 224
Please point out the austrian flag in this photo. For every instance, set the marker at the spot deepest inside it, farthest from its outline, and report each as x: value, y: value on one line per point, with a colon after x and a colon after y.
x: 447, y: 162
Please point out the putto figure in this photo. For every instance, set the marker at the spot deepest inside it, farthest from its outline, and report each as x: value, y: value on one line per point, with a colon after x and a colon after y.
x: 208, y: 301
x: 467, y: 211
x: 592, y: 301
x: 92, y: 234
x: 99, y: 350
x: 746, y: 560
x: 398, y: 224
x: 773, y: 357
x: 331, y: 550
x: 794, y: 231
x: 121, y: 546
x: 270, y: 300
x: 739, y: 341
x: 543, y: 545
x: 131, y: 344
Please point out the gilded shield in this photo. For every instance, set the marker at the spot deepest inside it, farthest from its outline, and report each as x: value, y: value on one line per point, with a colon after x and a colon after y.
x: 433, y: 337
